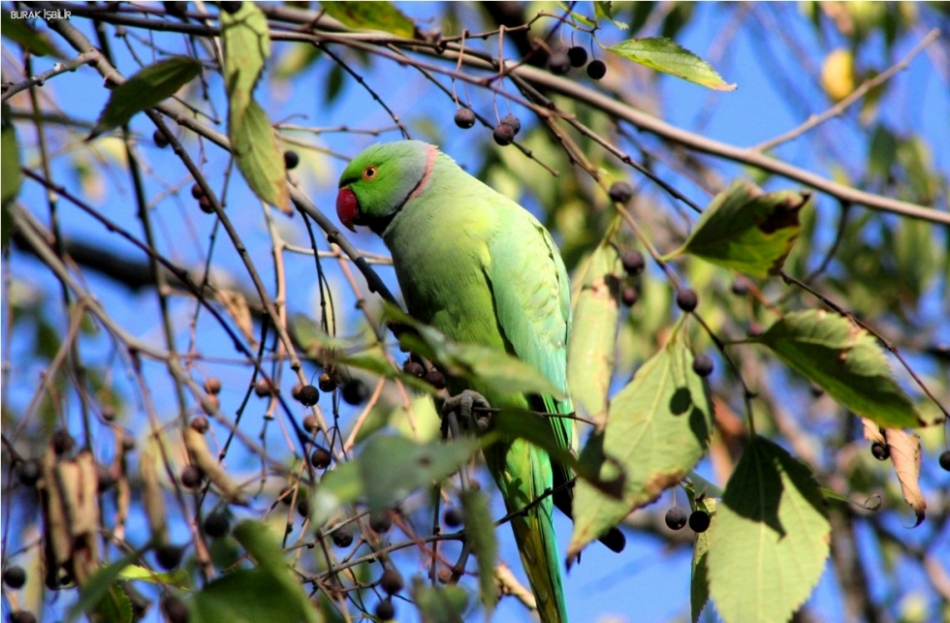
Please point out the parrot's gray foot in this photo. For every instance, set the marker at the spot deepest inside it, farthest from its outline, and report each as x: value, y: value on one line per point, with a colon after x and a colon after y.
x: 466, y: 405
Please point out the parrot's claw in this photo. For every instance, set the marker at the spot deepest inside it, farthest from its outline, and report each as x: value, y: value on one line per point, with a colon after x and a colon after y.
x: 466, y: 405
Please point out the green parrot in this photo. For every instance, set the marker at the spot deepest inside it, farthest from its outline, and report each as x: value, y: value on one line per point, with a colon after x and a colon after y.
x: 482, y: 270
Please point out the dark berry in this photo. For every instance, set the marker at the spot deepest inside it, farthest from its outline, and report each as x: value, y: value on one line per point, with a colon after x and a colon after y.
x: 633, y: 262
x: 464, y: 118
x: 597, y: 70
x: 686, y: 299
x: 675, y: 518
x: 880, y: 451
x: 29, y: 472
x: 326, y: 382
x: 355, y: 392
x: 391, y: 581
x: 128, y: 443
x: 159, y: 139
x: 22, y: 616
x: 309, y: 395
x: 699, y: 521
x: 62, y: 442
x: 196, y: 191
x: 452, y: 517
x: 230, y: 7
x: 310, y: 423
x: 342, y: 536
x: 512, y: 122
x: 385, y: 610
x: 204, y: 204
x: 578, y: 56
x: 740, y: 286
x: 191, y: 476
x: 104, y: 478
x: 177, y: 9
x: 199, y: 424
x: 629, y: 296
x: 14, y: 577
x: 291, y: 159
x: 435, y: 378
x: 559, y: 63
x: 108, y: 413
x: 212, y: 385
x: 169, y: 556
x: 303, y: 506
x: 444, y: 575
x: 621, y: 192
x: 703, y: 365
x: 286, y: 495
x: 381, y: 522
x: 320, y: 458
x: 262, y: 388
x: 217, y: 524
x: 503, y: 134
x: 174, y: 608
x: 945, y: 460
x: 414, y: 368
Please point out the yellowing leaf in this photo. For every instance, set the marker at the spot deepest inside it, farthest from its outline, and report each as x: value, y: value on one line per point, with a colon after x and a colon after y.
x: 590, y: 354
x: 746, y: 229
x: 845, y: 361
x: 769, y: 543
x: 905, y: 454
x: 837, y: 74
x: 144, y: 90
x: 663, y: 54
x: 371, y: 16
x: 657, y: 429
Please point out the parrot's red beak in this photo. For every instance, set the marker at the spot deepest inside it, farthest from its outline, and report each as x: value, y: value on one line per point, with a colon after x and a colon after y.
x: 347, y: 208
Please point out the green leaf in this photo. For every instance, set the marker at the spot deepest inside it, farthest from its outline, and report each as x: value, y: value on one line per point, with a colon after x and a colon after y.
x: 604, y: 10
x: 657, y: 429
x: 747, y: 230
x: 256, y: 151
x: 371, y: 16
x: 258, y: 156
x: 663, y: 54
x: 338, y: 487
x: 699, y: 575
x: 394, y: 467
x: 439, y: 605
x: 770, y: 539
x: 19, y: 31
x: 480, y: 534
x: 178, y: 578
x: 10, y: 177
x: 269, y: 592
x: 144, y: 90
x: 489, y: 370
x: 845, y: 361
x: 593, y: 341
x: 98, y: 586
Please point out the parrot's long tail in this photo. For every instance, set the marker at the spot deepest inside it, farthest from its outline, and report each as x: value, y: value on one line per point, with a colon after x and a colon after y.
x: 523, y: 473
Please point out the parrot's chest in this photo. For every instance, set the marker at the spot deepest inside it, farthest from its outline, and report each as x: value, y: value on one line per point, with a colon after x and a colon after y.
x: 441, y: 272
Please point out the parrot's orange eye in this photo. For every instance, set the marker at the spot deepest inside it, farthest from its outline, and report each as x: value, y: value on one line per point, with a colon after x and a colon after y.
x: 369, y: 173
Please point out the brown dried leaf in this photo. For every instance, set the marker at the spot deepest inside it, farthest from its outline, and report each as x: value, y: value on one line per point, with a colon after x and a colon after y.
x: 152, y: 492
x: 202, y: 457
x: 905, y: 454
x: 58, y: 544
x: 236, y: 306
x: 873, y: 432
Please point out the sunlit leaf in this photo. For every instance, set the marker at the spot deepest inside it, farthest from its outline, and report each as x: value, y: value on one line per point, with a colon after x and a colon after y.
x: 480, y: 534
x: 769, y: 542
x: 657, y: 429
x: 10, y: 177
x: 258, y: 156
x: 665, y: 55
x: 98, y: 585
x: 604, y: 10
x: 845, y: 361
x: 371, y: 16
x: 593, y: 341
x: 747, y: 230
x: 246, y: 40
x: 586, y: 21
x: 144, y: 90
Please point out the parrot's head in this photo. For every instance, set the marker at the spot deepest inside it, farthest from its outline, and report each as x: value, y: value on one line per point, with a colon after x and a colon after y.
x: 379, y: 182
